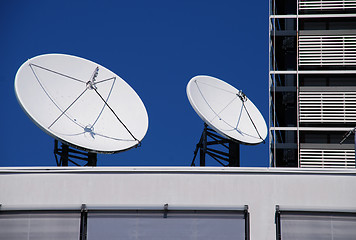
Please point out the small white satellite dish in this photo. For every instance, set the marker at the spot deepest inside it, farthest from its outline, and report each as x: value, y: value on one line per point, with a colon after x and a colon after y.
x: 226, y: 110
x: 81, y: 103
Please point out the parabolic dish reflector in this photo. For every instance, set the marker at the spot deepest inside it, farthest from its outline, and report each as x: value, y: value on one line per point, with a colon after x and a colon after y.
x: 81, y: 103
x: 226, y: 110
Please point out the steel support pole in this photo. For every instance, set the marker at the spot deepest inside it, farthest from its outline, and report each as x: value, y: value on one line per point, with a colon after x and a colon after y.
x: 64, y: 155
x: 234, y: 154
x: 203, y: 146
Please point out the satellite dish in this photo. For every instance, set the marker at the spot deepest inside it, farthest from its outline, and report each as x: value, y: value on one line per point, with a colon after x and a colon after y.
x: 81, y: 103
x: 226, y: 110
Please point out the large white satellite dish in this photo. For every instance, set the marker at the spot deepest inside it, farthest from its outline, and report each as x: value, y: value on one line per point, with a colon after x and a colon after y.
x: 81, y: 103
x: 226, y: 110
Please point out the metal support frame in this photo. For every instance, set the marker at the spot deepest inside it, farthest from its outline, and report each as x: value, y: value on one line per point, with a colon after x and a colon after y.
x: 208, y: 140
x: 69, y: 155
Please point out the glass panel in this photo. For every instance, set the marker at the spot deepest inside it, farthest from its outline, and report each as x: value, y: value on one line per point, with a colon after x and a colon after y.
x: 38, y: 226
x: 185, y: 226
x: 318, y: 227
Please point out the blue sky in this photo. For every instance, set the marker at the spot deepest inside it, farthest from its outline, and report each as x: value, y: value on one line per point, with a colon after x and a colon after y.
x: 156, y: 47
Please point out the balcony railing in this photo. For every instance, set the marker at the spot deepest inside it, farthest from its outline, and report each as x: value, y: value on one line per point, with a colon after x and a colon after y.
x: 326, y: 5
x: 327, y: 50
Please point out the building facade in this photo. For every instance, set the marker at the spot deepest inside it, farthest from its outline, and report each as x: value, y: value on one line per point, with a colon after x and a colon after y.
x: 312, y: 83
x: 200, y: 203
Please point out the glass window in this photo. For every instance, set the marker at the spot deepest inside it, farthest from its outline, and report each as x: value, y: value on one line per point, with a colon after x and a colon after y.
x: 158, y: 226
x: 316, y: 225
x: 39, y: 225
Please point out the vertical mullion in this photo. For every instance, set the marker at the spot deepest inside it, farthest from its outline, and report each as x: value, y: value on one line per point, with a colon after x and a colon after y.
x: 83, y: 223
x: 297, y: 87
x: 247, y: 223
x: 278, y: 223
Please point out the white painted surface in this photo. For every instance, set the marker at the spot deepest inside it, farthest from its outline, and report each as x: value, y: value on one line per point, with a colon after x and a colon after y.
x: 65, y: 96
x: 259, y: 188
x: 226, y: 109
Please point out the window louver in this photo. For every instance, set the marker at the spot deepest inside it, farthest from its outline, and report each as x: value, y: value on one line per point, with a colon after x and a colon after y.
x: 327, y: 158
x: 327, y: 5
x: 327, y: 50
x: 327, y: 107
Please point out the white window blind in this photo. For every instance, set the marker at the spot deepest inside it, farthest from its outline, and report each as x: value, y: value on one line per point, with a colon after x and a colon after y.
x: 144, y: 226
x: 327, y: 107
x: 39, y: 226
x: 317, y: 226
x: 327, y: 158
x: 327, y: 50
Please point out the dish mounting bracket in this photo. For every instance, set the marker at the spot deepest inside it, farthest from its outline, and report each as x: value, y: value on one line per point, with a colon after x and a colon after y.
x: 223, y: 150
x: 68, y: 155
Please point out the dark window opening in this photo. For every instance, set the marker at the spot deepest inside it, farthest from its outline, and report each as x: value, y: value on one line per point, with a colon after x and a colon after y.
x: 285, y: 53
x: 327, y: 80
x: 327, y: 23
x: 284, y: 7
x: 285, y: 109
x: 286, y: 157
x: 320, y: 137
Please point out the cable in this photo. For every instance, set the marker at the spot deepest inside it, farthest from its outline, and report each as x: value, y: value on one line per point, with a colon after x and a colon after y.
x: 243, y: 104
x: 117, y: 117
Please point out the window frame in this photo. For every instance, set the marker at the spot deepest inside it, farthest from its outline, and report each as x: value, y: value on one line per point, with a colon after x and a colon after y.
x: 165, y: 211
x: 311, y: 212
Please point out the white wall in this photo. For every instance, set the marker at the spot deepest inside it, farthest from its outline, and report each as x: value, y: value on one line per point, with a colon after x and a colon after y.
x: 260, y: 188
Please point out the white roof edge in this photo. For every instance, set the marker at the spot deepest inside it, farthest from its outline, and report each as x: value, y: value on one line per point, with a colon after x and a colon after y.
x: 163, y: 170
x: 95, y: 207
